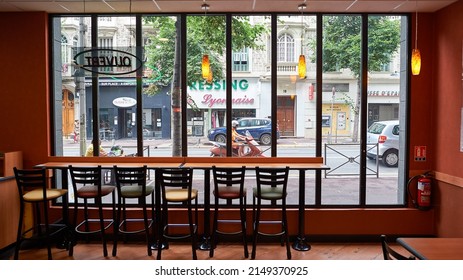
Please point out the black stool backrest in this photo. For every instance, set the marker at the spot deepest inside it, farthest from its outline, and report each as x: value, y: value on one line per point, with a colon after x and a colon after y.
x: 272, y: 177
x: 28, y: 179
x: 86, y: 175
x: 131, y: 175
x: 181, y: 178
x: 225, y: 176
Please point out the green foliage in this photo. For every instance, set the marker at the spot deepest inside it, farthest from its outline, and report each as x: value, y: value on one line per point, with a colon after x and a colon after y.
x: 160, y: 53
x: 350, y: 102
x: 205, y: 35
x: 342, y: 42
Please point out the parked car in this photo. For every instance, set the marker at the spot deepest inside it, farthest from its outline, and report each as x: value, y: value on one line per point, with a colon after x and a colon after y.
x: 260, y: 129
x: 386, y: 135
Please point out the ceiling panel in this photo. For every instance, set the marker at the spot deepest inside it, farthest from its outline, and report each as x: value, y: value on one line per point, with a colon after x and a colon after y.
x: 172, y: 6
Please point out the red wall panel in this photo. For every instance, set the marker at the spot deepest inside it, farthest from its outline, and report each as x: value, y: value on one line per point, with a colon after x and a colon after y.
x: 24, y: 90
x: 447, y: 103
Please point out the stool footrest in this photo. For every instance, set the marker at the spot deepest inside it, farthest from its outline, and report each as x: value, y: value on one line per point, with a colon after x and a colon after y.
x: 111, y: 221
x: 150, y: 224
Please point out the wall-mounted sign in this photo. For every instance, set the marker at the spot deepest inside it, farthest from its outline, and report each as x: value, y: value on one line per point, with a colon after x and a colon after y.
x: 211, y: 102
x: 245, y: 94
x: 124, y: 102
x: 108, y: 61
x: 420, y: 153
x: 242, y: 84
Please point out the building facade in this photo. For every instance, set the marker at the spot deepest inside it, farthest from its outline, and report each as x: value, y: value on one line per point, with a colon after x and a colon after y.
x: 251, y: 87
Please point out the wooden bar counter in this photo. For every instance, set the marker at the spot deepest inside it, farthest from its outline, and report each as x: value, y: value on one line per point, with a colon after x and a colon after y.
x: 9, y: 198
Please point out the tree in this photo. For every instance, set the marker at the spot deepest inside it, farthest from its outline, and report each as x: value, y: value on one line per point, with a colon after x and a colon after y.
x: 342, y: 47
x: 205, y: 35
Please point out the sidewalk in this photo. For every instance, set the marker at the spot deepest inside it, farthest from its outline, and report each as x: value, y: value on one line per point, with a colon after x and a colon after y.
x: 203, y: 141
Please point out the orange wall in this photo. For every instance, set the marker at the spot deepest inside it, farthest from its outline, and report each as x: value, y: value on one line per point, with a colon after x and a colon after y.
x: 447, y: 92
x: 422, y: 97
x: 448, y: 89
x: 24, y: 89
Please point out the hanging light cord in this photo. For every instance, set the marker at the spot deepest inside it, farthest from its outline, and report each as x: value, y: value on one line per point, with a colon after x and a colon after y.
x: 130, y: 17
x: 416, y: 25
x: 205, y: 7
x: 301, y: 8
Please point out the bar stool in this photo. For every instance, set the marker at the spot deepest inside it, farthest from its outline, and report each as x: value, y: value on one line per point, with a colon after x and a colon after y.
x: 389, y: 253
x: 86, y: 183
x: 176, y: 188
x: 229, y: 186
x: 271, y: 186
x: 32, y: 188
x: 131, y: 184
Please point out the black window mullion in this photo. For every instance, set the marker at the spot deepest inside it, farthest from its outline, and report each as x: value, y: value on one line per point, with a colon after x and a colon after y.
x: 363, y: 110
x: 274, y: 82
x: 139, y: 79
x: 95, y: 91
x: 319, y: 99
x: 228, y: 78
x: 183, y: 81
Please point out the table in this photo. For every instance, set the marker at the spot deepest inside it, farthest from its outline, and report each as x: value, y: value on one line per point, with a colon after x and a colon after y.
x: 437, y: 248
x: 300, y: 244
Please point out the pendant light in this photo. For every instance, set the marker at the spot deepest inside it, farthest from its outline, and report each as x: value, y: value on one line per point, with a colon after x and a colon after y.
x: 301, y: 66
x: 205, y: 67
x: 416, y: 56
x: 205, y: 64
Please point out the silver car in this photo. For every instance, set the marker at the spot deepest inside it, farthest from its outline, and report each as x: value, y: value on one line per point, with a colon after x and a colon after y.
x: 386, y: 135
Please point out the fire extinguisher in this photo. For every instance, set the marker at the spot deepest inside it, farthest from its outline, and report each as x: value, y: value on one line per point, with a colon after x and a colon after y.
x: 422, y: 200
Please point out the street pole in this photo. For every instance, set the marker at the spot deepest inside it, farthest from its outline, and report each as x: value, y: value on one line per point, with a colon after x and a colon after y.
x: 80, y: 90
x: 332, y: 118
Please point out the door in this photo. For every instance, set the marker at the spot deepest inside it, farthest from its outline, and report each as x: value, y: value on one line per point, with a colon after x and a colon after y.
x: 124, y: 123
x: 285, y: 115
x: 68, y: 113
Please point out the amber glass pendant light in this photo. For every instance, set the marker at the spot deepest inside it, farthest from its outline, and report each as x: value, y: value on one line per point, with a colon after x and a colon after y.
x: 206, y: 67
x: 416, y: 55
x: 205, y: 64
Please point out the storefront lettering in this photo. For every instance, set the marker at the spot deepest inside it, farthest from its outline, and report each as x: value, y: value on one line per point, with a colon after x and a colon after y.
x: 383, y: 93
x: 210, y: 101
x: 219, y: 85
x: 108, y: 61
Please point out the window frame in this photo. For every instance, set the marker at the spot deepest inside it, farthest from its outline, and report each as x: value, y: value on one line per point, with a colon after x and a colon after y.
x: 275, y: 45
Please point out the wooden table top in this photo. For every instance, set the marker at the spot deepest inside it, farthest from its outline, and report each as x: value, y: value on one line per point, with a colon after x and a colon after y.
x: 191, y: 164
x: 57, y: 165
x: 306, y: 166
x: 434, y: 248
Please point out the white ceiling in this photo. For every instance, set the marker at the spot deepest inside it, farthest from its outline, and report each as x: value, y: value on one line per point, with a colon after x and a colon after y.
x: 172, y: 6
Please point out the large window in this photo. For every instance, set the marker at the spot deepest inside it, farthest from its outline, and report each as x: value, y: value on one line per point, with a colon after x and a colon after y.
x: 286, y: 48
x: 241, y: 60
x: 161, y: 105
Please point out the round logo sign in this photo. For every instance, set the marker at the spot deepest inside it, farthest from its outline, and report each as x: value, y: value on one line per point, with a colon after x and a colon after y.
x: 108, y: 61
x: 124, y: 102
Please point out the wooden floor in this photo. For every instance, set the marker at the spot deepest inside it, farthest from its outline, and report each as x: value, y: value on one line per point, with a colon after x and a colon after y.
x: 232, y: 251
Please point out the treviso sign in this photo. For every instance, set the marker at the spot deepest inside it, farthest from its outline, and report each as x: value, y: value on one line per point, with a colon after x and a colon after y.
x: 108, y: 61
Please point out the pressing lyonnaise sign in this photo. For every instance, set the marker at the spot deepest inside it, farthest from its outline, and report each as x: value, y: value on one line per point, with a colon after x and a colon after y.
x: 420, y: 153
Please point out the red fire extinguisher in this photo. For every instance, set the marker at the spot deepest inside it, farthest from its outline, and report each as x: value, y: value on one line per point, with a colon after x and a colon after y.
x: 423, y: 191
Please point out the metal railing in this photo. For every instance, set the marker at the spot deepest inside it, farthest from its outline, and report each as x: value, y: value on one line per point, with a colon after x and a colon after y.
x: 348, y: 157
